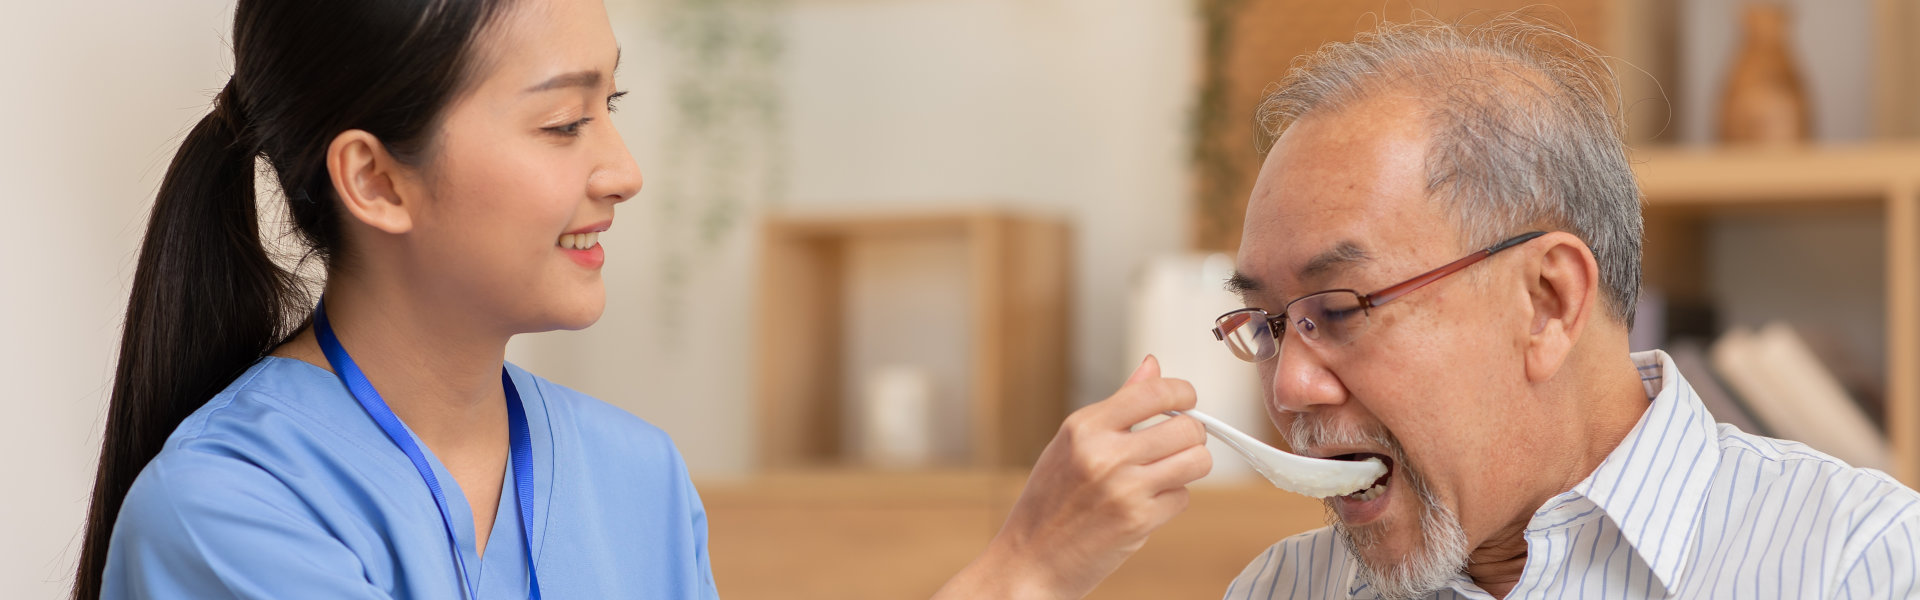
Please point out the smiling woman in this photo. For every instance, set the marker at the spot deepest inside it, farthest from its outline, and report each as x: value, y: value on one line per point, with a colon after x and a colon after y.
x: 453, y: 178
x: 451, y: 165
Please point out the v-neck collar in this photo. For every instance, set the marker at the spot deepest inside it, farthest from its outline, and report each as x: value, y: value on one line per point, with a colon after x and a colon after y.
x: 507, y: 516
x: 506, y: 521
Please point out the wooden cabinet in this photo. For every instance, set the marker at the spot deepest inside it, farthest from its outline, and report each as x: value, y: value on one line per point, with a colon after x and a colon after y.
x: 1017, y: 275
x: 843, y: 535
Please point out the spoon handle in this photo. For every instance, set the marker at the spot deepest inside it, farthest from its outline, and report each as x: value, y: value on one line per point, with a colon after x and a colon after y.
x: 1241, y: 443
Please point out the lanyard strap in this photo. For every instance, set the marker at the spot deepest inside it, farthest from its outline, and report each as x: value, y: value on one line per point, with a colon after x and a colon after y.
x: 518, y: 437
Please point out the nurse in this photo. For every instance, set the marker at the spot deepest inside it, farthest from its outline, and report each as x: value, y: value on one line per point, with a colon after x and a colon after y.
x: 450, y: 164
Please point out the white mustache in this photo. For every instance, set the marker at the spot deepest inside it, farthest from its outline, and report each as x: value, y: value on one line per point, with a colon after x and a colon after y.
x: 1308, y: 433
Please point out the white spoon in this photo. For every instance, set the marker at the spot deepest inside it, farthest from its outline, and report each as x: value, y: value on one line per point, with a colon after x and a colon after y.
x: 1316, y: 477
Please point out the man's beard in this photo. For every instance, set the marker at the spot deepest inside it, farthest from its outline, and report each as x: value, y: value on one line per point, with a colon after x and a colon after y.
x: 1443, y: 550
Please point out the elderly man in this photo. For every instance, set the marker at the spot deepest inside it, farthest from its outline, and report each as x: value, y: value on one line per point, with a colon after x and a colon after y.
x: 1530, y: 454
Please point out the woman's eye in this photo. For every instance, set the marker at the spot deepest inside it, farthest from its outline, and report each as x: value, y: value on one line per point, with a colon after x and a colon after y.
x: 570, y: 129
x: 613, y: 100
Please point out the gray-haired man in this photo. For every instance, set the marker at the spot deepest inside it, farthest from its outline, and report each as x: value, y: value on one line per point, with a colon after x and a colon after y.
x: 1531, y: 455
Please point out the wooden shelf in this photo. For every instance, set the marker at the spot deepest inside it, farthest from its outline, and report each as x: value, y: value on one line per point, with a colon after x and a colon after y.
x: 1017, y: 269
x: 1750, y: 176
x: 901, y: 535
x: 1686, y: 185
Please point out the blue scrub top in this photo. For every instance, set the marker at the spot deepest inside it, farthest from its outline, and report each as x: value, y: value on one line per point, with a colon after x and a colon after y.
x: 281, y: 486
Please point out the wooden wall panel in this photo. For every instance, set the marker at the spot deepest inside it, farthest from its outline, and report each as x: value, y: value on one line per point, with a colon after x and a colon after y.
x: 1252, y: 44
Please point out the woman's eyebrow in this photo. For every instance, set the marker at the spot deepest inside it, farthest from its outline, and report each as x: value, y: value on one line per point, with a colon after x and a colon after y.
x: 586, y: 78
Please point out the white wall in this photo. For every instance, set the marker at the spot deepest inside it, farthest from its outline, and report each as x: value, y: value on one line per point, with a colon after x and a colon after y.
x: 1072, y: 107
x: 97, y: 95
x: 1075, y: 108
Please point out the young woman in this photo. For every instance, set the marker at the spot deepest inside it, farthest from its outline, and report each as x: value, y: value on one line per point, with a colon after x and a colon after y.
x: 451, y: 163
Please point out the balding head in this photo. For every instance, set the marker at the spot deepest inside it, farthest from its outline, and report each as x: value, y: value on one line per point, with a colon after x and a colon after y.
x: 1522, y: 130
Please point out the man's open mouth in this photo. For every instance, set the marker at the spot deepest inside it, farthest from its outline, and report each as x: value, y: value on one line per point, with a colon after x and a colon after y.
x: 1379, y: 485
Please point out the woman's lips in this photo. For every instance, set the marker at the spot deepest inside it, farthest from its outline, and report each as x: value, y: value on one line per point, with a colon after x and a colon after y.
x: 584, y: 249
x: 583, y: 246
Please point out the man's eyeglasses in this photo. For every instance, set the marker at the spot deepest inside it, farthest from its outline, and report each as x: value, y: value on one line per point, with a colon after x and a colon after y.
x: 1331, y: 317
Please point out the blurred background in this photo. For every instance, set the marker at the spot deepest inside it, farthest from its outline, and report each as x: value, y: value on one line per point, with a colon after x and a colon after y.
x: 886, y: 245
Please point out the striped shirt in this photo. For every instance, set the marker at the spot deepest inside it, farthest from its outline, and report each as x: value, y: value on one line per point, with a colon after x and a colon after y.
x: 1683, y: 508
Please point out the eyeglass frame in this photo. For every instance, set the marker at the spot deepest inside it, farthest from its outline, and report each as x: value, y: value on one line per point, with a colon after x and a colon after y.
x: 1277, y: 324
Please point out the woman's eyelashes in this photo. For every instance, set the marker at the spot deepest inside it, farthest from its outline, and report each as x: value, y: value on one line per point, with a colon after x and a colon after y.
x: 572, y: 129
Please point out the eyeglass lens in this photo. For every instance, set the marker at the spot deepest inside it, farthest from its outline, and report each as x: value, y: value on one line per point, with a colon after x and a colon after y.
x: 1333, y: 317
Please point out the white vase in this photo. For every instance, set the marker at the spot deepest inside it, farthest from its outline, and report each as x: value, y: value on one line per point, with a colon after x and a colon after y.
x: 894, y: 420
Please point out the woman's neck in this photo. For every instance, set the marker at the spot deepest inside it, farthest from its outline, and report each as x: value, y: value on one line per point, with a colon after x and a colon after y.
x: 438, y: 372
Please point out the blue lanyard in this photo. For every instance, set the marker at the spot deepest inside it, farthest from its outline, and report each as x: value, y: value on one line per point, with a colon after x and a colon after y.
x: 518, y: 437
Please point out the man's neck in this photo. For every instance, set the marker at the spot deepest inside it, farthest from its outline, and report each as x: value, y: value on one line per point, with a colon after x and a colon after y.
x: 1607, y: 412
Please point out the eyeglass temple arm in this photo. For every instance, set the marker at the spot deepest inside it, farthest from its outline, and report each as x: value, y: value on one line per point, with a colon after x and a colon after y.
x: 1387, y: 295
x: 1514, y: 241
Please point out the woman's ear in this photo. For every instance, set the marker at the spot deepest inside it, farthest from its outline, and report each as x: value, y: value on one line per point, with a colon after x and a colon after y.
x: 367, y: 179
x: 1562, y: 285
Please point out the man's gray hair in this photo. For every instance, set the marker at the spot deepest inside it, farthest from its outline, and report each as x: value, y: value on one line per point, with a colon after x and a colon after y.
x: 1523, y: 124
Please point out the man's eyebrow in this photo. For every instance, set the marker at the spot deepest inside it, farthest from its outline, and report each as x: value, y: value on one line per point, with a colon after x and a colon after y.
x: 1242, y: 284
x: 1339, y: 256
x: 585, y: 79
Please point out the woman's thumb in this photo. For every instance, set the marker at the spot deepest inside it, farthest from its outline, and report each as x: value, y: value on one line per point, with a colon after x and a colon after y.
x: 1148, y: 369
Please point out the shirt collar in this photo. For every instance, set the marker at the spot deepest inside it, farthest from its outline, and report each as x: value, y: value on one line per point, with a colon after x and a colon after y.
x: 1654, y: 484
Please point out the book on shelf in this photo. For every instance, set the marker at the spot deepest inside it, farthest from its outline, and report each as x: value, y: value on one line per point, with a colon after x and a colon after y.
x: 1690, y: 357
x: 1793, y: 396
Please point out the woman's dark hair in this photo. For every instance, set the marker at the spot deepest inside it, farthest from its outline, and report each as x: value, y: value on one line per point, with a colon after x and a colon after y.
x: 208, y: 301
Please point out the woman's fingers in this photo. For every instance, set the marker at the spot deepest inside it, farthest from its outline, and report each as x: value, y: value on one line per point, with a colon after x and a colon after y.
x: 1100, y: 437
x: 1099, y: 488
x: 1149, y: 369
x: 1178, y: 470
x: 1139, y: 401
x: 1166, y: 438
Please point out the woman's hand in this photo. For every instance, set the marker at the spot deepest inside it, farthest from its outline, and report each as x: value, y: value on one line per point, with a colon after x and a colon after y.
x: 1095, y: 494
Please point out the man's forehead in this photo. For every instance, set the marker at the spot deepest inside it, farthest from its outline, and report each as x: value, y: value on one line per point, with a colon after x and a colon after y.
x: 1336, y: 193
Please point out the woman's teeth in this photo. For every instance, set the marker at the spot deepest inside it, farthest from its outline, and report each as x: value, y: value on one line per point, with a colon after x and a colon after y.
x: 579, y: 241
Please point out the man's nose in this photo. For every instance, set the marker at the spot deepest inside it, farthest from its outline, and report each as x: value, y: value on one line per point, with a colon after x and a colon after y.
x: 1301, y: 380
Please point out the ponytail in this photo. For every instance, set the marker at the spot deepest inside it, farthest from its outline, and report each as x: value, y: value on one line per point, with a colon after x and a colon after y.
x: 207, y: 302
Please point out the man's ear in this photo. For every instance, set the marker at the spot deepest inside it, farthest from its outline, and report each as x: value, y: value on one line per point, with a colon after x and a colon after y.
x: 1563, y: 281
x: 367, y: 179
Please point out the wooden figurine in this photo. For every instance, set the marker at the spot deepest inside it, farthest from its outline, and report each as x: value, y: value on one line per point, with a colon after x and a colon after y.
x: 1765, y: 102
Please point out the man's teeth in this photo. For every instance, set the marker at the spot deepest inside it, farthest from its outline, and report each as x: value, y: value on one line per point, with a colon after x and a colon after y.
x: 579, y: 241
x: 1369, y: 493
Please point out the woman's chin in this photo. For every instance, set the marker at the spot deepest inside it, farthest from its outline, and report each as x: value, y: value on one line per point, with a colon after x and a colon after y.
x: 569, y: 317
x: 582, y: 319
